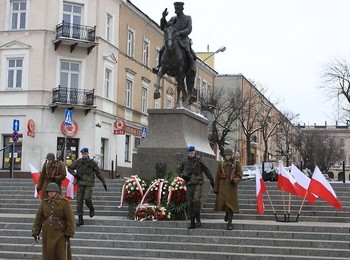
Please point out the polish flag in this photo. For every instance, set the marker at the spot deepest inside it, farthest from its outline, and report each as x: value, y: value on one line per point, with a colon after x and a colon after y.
x: 303, y: 183
x: 287, y: 183
x: 321, y: 187
x: 260, y: 188
x: 68, y: 183
x: 35, y: 177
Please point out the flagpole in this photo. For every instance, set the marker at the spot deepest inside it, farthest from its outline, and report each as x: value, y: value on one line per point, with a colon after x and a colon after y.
x: 273, y: 208
x: 284, y: 207
x: 301, y: 206
x: 290, y: 199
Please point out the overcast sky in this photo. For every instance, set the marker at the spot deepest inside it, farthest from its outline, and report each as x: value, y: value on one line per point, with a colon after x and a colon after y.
x: 282, y: 45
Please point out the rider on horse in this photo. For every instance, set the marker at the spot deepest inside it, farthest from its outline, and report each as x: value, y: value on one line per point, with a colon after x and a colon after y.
x: 183, y: 25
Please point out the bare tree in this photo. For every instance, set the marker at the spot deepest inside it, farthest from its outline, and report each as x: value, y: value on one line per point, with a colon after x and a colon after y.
x: 336, y: 84
x: 286, y: 135
x: 224, y: 105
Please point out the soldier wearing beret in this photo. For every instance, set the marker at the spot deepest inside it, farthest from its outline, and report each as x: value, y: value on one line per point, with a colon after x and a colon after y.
x: 228, y: 175
x: 84, y: 170
x: 53, y: 171
x: 191, y: 169
x: 55, y: 219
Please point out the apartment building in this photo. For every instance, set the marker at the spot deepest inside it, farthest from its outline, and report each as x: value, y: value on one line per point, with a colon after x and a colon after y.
x: 90, y: 57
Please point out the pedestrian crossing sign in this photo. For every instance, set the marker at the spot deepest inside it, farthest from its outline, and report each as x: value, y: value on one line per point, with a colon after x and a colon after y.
x: 68, y: 117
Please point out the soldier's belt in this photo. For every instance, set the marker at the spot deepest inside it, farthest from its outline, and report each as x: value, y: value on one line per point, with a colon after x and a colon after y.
x: 225, y: 175
x: 54, y: 218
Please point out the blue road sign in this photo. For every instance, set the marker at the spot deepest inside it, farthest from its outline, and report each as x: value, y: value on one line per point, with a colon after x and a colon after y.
x: 144, y: 132
x: 68, y: 117
x: 15, y: 126
x: 15, y: 136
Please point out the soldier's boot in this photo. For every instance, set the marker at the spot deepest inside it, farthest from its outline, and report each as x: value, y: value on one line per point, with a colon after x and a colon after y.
x: 226, y: 216
x: 80, y: 221
x: 229, y: 220
x: 92, y: 212
x: 198, y: 220
x: 193, y: 223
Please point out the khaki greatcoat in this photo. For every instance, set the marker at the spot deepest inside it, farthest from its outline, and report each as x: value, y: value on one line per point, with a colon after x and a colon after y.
x: 55, y: 218
x: 227, y: 192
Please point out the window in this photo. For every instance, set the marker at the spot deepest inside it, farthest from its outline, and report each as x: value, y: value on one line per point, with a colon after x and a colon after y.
x: 157, y: 56
x: 145, y: 52
x: 341, y: 142
x: 108, y: 75
x: 169, y: 101
x: 130, y: 43
x: 7, y: 153
x: 18, y: 15
x: 128, y: 101
x: 144, y: 100
x: 137, y: 142
x: 72, y: 14
x: 204, y: 89
x: 127, y: 148
x: 14, y: 73
x: 109, y: 28
x: 157, y: 103
x: 69, y: 74
x: 70, y: 79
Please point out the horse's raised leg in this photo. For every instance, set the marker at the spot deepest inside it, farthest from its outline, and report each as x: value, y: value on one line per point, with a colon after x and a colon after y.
x: 160, y: 74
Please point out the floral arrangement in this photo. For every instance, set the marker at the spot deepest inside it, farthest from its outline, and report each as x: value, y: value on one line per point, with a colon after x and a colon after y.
x: 177, y: 195
x: 163, y: 200
x: 151, y: 212
x: 133, y: 190
x: 157, y: 192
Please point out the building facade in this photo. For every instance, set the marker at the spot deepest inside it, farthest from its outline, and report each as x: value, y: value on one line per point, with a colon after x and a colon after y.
x: 93, y: 58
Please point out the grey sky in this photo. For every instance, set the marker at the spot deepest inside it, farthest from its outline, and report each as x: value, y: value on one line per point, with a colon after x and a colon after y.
x: 281, y: 44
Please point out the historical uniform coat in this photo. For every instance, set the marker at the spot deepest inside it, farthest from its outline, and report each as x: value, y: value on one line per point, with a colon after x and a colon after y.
x: 55, y: 218
x: 51, y: 172
x: 228, y: 175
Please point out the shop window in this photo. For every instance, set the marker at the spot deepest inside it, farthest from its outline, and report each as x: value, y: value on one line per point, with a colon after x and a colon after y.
x: 7, y: 153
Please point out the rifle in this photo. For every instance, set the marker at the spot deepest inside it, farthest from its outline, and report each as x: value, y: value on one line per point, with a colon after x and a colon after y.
x: 61, y: 157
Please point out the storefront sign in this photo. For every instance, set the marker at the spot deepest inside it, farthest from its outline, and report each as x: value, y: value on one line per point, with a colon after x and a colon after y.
x: 119, y: 127
x: 30, y: 128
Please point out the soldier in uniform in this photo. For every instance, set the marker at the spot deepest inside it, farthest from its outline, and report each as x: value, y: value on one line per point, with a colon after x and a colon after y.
x: 183, y: 25
x: 55, y: 218
x: 53, y: 171
x: 84, y: 170
x: 228, y: 176
x: 191, y: 169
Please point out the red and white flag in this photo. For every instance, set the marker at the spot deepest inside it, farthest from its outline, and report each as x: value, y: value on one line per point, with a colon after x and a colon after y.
x: 35, y: 177
x: 68, y: 183
x: 287, y: 183
x: 321, y: 187
x: 303, y: 183
x: 260, y: 188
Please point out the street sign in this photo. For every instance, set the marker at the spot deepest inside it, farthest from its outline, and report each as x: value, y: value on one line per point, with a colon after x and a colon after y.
x: 144, y: 132
x: 15, y: 126
x: 68, y: 117
x: 15, y: 136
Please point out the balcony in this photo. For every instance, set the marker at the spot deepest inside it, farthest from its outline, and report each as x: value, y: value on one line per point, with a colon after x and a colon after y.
x: 72, y: 98
x: 75, y: 35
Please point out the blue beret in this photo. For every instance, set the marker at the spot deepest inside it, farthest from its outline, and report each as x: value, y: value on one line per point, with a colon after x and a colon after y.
x: 191, y: 148
x: 84, y: 150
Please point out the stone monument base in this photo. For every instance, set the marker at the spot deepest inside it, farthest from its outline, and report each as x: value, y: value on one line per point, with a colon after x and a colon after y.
x: 170, y: 132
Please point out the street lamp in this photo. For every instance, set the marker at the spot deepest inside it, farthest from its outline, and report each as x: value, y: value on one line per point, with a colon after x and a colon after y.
x: 221, y: 49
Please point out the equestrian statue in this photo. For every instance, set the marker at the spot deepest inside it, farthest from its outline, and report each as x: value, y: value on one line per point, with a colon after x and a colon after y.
x: 176, y: 57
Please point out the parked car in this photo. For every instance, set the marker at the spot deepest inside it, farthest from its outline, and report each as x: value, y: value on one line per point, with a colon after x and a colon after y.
x: 249, y: 171
x: 269, y: 173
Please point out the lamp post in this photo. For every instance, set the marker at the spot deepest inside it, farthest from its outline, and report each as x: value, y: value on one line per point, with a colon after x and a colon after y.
x: 221, y: 49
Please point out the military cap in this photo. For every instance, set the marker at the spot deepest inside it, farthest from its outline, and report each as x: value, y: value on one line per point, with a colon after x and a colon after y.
x: 50, y: 156
x: 52, y: 186
x: 179, y: 4
x: 84, y: 150
x: 228, y: 151
x: 191, y: 148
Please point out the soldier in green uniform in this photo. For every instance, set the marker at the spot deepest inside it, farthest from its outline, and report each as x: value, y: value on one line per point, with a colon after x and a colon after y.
x: 53, y: 171
x: 84, y: 169
x: 191, y: 169
x: 228, y: 175
x: 55, y: 218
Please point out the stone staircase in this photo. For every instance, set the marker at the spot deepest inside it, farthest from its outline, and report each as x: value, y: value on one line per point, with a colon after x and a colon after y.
x: 321, y: 233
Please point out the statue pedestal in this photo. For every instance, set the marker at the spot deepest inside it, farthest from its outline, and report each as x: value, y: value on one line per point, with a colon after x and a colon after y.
x: 170, y: 132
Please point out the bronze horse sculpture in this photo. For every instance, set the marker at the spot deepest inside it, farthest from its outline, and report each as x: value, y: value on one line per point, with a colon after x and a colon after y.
x: 175, y: 64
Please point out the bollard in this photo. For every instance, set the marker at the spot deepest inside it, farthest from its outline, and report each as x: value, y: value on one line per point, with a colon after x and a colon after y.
x: 112, y: 170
